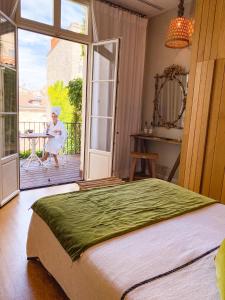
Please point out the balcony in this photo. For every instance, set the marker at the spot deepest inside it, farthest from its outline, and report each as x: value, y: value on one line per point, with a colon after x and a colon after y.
x: 69, y: 161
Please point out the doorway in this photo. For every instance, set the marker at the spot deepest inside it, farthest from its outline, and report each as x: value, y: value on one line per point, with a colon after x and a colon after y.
x: 52, y: 73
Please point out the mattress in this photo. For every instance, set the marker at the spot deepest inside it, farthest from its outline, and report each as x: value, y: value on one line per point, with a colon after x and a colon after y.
x: 81, y: 220
x: 107, y: 270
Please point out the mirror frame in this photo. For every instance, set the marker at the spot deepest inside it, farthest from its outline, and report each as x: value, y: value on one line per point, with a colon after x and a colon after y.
x: 170, y: 73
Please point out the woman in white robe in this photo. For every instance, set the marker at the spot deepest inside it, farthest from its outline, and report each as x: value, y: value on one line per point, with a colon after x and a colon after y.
x: 57, y: 131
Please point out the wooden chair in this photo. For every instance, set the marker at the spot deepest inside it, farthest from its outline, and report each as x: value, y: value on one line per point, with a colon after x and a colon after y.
x: 151, y: 159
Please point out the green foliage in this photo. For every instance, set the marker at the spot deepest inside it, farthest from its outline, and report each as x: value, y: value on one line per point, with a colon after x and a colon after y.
x: 75, y: 87
x: 72, y: 145
x: 24, y: 154
x: 75, y: 93
x: 27, y: 153
x: 58, y: 96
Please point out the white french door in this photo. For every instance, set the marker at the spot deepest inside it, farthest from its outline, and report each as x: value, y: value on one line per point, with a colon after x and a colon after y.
x: 9, y: 175
x: 101, y: 109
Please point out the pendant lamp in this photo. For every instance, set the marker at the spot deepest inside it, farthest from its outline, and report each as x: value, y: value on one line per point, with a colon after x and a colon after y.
x: 179, y: 30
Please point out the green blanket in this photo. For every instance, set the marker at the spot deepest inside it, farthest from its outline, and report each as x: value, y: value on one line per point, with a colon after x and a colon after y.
x: 82, y: 219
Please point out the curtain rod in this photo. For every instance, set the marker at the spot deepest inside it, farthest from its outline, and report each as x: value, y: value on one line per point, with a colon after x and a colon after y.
x: 123, y: 8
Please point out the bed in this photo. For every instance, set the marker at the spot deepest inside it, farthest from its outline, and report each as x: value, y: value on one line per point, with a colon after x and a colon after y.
x: 181, y: 247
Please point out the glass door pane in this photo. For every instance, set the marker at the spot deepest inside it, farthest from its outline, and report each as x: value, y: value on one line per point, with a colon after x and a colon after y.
x: 101, y: 134
x: 38, y: 10
x: 103, y: 95
x: 9, y: 101
x: 74, y: 16
x: 8, y: 135
x: 7, y: 43
x: 104, y: 58
x: 102, y: 99
x: 8, y: 89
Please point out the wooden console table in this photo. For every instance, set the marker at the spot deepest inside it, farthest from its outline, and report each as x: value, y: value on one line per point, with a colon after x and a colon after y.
x: 140, y: 144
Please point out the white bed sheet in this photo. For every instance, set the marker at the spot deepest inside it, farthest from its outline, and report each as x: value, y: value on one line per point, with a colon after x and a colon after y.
x: 106, y: 270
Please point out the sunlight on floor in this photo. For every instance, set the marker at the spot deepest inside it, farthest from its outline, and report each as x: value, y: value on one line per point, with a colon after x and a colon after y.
x: 21, y: 279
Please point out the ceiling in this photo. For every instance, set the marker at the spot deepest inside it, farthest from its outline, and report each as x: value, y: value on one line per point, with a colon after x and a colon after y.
x: 149, y: 8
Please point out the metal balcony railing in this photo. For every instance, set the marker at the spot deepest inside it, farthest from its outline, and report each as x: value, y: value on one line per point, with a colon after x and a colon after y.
x: 72, y: 145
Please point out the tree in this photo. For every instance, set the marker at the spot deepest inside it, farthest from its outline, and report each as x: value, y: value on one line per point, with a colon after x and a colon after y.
x: 58, y: 96
x: 75, y: 87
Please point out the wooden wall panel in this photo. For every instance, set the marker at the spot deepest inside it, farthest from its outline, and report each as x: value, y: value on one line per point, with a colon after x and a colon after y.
x: 204, y: 30
x: 213, y: 126
x: 217, y: 28
x: 223, y: 190
x: 203, y: 129
x: 202, y: 159
x: 200, y: 71
x: 198, y: 125
x: 221, y: 46
x: 199, y: 103
x: 210, y: 28
x: 217, y: 177
x: 188, y: 111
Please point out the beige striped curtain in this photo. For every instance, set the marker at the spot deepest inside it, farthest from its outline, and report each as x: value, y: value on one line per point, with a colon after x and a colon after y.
x: 112, y: 22
x: 8, y: 7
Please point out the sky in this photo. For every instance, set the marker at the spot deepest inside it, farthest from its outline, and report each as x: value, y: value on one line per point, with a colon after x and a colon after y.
x: 33, y: 47
x: 33, y: 50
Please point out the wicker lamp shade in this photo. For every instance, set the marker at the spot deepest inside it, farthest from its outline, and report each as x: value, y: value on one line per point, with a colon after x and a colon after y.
x: 178, y: 33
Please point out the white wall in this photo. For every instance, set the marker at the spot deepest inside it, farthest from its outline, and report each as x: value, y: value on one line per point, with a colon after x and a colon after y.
x: 65, y: 62
x: 158, y: 57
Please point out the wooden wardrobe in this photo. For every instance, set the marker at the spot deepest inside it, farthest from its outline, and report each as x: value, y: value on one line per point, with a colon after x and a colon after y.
x: 202, y: 167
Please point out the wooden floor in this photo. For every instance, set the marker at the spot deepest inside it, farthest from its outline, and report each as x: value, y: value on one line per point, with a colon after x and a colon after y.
x: 39, y: 176
x: 20, y: 279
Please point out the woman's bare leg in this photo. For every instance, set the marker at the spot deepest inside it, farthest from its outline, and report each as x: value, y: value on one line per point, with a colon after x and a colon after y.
x: 56, y: 160
x: 45, y: 157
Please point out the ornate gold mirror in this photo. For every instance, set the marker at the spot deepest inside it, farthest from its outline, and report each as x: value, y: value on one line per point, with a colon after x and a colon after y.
x: 170, y: 97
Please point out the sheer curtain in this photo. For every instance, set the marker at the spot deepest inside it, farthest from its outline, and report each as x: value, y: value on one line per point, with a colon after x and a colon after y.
x: 112, y: 22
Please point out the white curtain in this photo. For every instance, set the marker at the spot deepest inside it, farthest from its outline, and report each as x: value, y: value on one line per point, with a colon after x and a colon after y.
x: 111, y: 22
